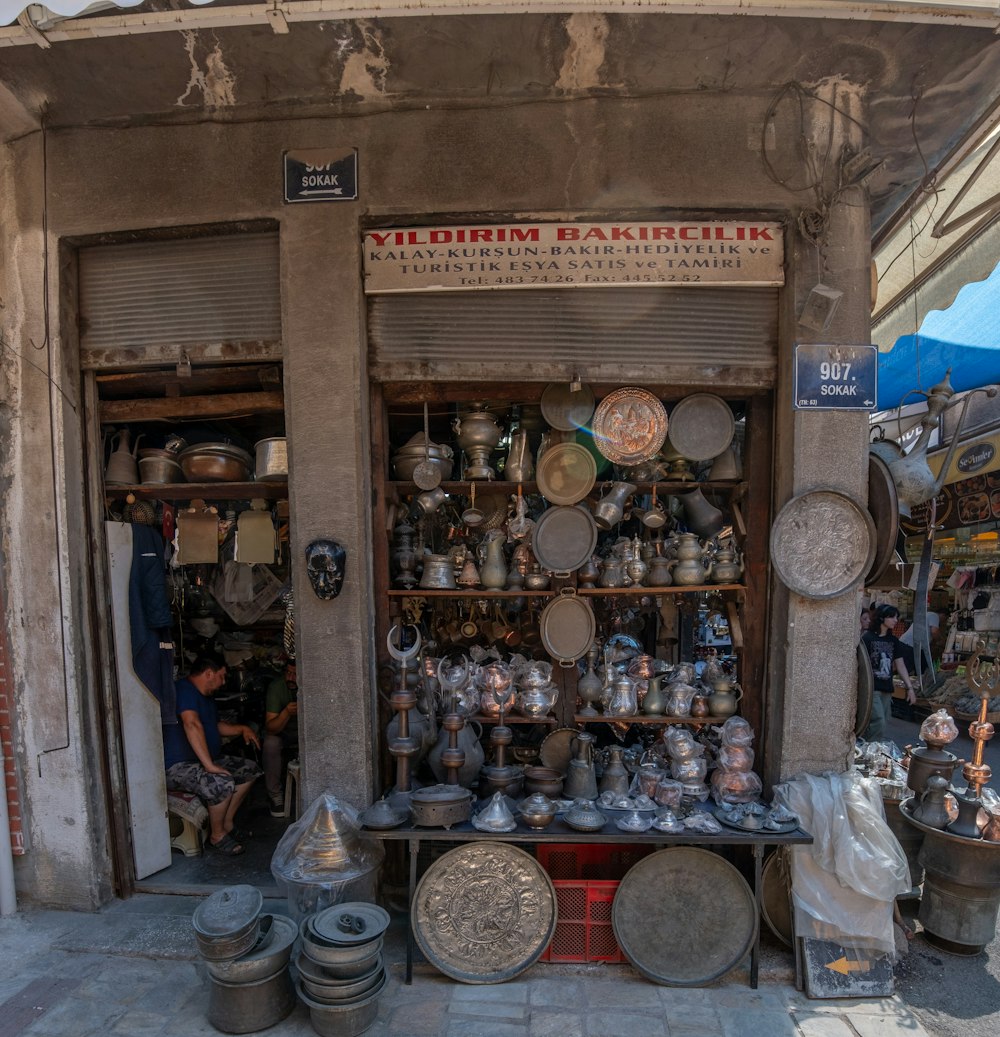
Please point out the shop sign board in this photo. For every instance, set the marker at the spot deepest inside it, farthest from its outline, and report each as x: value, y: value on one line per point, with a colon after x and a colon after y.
x: 974, y: 457
x: 321, y: 175
x: 573, y: 255
x: 835, y: 377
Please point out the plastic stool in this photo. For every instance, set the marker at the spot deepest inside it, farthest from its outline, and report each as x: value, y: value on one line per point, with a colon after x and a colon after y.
x: 188, y: 819
x: 291, y: 789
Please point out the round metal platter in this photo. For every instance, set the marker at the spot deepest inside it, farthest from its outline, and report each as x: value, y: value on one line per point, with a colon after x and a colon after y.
x: 684, y: 916
x: 567, y: 626
x: 564, y: 409
x: 701, y: 426
x: 556, y: 749
x: 883, y: 506
x: 484, y: 912
x: 630, y: 425
x: 822, y: 543
x: 566, y: 473
x: 776, y: 897
x: 564, y: 538
x: 866, y: 690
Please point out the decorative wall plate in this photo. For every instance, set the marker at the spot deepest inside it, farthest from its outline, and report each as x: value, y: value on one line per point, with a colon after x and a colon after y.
x: 822, y: 543
x: 484, y: 912
x: 630, y: 425
x: 701, y: 426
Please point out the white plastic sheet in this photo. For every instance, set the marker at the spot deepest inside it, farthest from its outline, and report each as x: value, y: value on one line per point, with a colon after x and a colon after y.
x: 844, y: 885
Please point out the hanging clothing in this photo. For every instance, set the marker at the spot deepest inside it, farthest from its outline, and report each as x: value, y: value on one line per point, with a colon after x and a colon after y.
x: 150, y: 620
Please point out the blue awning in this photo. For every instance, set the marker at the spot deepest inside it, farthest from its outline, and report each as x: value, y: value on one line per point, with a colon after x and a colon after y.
x: 964, y: 337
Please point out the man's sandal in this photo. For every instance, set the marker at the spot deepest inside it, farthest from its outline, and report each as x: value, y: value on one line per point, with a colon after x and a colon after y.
x: 227, y: 845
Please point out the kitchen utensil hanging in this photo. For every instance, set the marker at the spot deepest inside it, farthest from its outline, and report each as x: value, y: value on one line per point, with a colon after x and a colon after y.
x: 427, y: 474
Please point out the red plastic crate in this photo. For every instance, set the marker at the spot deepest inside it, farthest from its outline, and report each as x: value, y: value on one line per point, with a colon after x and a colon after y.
x: 583, y: 929
x: 589, y: 860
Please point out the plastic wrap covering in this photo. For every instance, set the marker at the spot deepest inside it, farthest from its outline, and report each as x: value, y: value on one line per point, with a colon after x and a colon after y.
x: 690, y: 772
x: 681, y: 744
x: 939, y: 728
x: 735, y: 786
x: 737, y: 732
x: 844, y: 885
x: 324, y: 859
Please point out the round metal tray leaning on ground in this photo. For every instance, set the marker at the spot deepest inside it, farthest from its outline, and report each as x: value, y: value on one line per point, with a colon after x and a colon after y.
x: 484, y: 912
x: 684, y: 917
x: 776, y: 896
x: 822, y: 543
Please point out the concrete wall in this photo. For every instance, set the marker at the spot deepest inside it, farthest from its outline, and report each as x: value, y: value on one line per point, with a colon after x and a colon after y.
x: 695, y: 153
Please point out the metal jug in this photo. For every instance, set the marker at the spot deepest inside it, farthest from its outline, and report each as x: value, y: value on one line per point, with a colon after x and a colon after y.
x: 123, y: 468
x: 581, y: 781
x: 519, y: 466
x: 700, y: 515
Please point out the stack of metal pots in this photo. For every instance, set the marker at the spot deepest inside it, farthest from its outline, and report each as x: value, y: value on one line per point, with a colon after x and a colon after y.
x: 341, y: 971
x: 247, y: 956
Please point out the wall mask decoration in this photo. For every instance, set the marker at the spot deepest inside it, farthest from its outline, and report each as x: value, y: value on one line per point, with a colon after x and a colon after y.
x: 326, y: 564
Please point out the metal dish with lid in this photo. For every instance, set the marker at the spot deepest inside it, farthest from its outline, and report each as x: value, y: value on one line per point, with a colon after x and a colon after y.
x: 269, y: 956
x: 350, y: 924
x: 227, y: 924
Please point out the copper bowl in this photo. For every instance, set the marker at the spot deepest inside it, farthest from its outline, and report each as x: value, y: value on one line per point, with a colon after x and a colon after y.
x: 546, y: 780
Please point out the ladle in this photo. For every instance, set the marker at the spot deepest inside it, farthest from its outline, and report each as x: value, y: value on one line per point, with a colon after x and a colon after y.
x: 427, y: 474
x: 472, y: 516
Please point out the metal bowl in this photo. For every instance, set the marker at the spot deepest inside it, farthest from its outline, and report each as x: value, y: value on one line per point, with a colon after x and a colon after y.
x: 159, y: 469
x: 346, y: 1019
x: 216, y: 462
x: 331, y: 954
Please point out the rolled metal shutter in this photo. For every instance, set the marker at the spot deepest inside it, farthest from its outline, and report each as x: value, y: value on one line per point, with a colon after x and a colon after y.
x: 603, y: 333
x: 193, y: 291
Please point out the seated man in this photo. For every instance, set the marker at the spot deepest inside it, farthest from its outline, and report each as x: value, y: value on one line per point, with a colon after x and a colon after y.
x: 281, y: 724
x: 193, y: 757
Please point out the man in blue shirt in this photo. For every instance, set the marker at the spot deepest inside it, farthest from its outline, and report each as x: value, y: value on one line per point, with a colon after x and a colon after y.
x: 192, y: 752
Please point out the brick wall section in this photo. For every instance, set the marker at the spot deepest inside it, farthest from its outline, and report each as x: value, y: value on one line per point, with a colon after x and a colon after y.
x: 6, y: 717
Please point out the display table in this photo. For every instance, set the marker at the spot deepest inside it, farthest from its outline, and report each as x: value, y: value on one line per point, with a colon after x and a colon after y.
x: 559, y: 832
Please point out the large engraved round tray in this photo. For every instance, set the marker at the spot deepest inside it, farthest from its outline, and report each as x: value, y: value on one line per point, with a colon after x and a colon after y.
x: 484, y: 912
x: 630, y: 426
x: 822, y: 543
x: 701, y: 426
x: 564, y: 538
x: 684, y: 916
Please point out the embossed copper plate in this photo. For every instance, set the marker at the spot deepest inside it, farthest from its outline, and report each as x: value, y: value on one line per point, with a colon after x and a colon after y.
x: 822, y: 543
x: 484, y: 912
x: 630, y: 426
x: 684, y: 916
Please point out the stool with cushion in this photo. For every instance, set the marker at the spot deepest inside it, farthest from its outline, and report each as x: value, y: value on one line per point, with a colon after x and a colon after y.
x: 188, y: 817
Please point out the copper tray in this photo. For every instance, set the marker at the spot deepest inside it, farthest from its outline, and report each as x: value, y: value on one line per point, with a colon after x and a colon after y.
x: 484, y: 912
x: 822, y: 543
x: 556, y: 749
x: 566, y: 473
x: 630, y: 425
x: 701, y: 426
x: 564, y: 409
x: 684, y: 916
x: 883, y: 506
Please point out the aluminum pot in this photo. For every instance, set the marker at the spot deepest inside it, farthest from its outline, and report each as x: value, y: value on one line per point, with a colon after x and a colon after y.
x: 215, y: 462
x: 248, y: 1007
x: 329, y: 971
x: 158, y: 467
x: 336, y: 991
x: 268, y: 957
x: 271, y: 457
x: 347, y: 1019
x: 227, y: 924
x: 332, y: 954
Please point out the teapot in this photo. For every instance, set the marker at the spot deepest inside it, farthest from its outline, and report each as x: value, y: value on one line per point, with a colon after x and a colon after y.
x: 933, y: 807
x: 915, y: 482
x: 727, y: 566
x: 689, y: 569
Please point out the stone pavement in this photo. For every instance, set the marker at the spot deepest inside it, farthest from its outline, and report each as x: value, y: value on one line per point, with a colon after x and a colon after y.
x: 131, y: 970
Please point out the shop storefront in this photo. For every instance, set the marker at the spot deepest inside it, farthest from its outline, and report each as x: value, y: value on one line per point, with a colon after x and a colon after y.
x: 482, y: 257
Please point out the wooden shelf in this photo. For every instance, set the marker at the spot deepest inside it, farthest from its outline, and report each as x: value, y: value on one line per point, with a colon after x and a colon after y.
x: 643, y: 719
x: 419, y: 592
x: 462, y: 488
x: 517, y: 719
x: 184, y: 491
x: 616, y: 591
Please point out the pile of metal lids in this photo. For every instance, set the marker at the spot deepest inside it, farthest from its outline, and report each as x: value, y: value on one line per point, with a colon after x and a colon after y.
x: 341, y: 972
x: 247, y: 956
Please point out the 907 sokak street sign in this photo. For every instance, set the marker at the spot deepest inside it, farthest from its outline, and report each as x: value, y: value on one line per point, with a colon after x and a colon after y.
x: 572, y: 255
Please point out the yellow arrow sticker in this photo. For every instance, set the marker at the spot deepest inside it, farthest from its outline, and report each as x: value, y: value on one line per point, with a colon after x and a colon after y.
x: 843, y: 966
